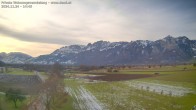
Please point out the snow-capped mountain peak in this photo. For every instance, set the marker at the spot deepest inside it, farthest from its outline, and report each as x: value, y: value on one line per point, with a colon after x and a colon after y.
x: 166, y: 50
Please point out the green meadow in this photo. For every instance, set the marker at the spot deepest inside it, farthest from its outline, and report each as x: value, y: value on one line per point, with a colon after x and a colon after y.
x: 118, y: 95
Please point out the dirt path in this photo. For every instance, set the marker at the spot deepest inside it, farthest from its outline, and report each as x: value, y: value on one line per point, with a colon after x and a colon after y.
x: 83, y: 99
x: 37, y: 104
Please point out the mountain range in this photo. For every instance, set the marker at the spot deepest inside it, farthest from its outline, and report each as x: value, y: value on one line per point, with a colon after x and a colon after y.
x: 168, y: 50
x: 14, y: 57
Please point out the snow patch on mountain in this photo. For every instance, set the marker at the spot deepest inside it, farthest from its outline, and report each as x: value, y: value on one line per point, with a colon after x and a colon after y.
x: 110, y: 46
x: 166, y: 50
x: 69, y: 49
x: 70, y: 62
x: 194, y: 49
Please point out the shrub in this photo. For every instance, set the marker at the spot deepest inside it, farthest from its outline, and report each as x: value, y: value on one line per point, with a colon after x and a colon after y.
x: 115, y: 70
x: 156, y: 73
x: 194, y: 64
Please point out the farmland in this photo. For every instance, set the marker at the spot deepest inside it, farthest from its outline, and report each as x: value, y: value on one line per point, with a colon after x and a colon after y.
x: 6, y: 105
x: 174, y: 88
x: 135, y: 88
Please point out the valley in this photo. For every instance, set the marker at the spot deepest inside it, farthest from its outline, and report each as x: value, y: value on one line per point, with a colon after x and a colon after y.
x: 135, y: 88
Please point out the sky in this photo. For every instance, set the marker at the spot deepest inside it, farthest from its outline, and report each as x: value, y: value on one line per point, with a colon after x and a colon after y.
x: 45, y: 28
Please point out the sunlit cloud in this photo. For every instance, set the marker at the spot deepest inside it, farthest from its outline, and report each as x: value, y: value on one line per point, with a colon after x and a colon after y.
x: 35, y: 49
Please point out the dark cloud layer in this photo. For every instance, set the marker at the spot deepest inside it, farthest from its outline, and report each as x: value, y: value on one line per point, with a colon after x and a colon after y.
x: 26, y: 36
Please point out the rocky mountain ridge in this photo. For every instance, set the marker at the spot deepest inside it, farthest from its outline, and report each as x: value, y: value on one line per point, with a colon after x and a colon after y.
x: 14, y: 57
x: 164, y: 51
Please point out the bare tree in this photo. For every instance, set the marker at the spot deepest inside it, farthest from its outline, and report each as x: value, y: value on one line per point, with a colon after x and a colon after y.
x: 53, y: 88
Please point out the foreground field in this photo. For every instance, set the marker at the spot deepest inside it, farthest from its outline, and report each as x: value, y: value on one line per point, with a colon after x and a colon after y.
x: 120, y: 95
x: 173, y: 90
x: 8, y: 105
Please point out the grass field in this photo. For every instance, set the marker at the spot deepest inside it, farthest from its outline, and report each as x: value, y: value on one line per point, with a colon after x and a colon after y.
x: 180, y: 76
x: 8, y: 105
x: 18, y: 71
x: 174, y: 88
x: 68, y: 105
x: 151, y: 70
x: 118, y: 95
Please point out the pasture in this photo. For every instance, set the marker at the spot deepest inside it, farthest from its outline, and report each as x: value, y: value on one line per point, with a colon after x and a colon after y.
x: 174, y: 88
x: 7, y: 105
x: 129, y: 88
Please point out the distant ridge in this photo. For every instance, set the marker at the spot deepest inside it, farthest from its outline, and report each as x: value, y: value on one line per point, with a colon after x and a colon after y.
x: 168, y: 50
x: 14, y: 57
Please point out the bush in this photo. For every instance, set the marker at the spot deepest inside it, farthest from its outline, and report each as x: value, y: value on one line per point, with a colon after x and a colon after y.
x: 194, y: 64
x: 156, y: 73
x: 115, y: 70
x: 185, y: 68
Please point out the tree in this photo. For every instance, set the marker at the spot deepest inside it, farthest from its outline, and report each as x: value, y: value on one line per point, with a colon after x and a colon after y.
x: 116, y: 70
x: 56, y: 69
x: 53, y: 88
x: 15, y: 95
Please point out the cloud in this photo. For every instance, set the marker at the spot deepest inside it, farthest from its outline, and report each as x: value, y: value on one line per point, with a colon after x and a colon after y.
x: 89, y: 21
x: 2, y: 17
x: 30, y: 37
x: 80, y: 25
x: 44, y: 28
x: 31, y: 48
